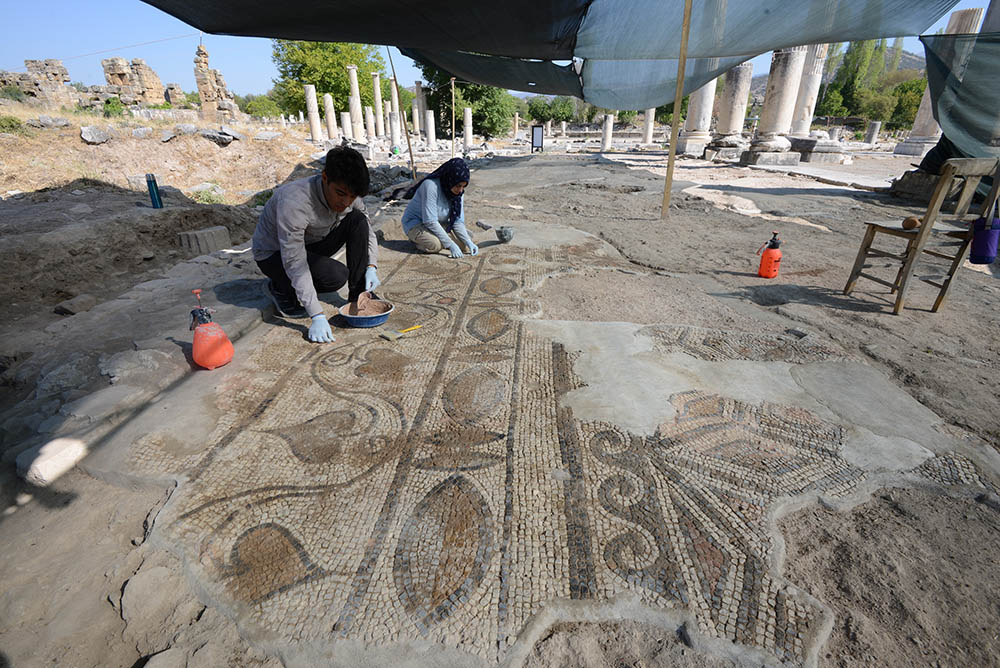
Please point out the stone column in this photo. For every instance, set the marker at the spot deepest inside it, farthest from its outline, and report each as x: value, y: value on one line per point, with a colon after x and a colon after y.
x: 548, y: 128
x: 429, y: 129
x: 394, y: 96
x: 609, y: 124
x: 418, y: 108
x: 696, y: 134
x: 346, y: 126
x: 871, y: 132
x: 301, y: 117
x: 377, y: 90
x: 517, y: 123
x: 650, y: 118
x: 771, y: 146
x: 370, y: 124
x: 467, y: 127
x: 562, y: 128
x: 357, y: 117
x: 812, y: 77
x: 283, y: 122
x: 733, y: 109
x: 394, y: 134
x: 926, y: 132
x: 331, y: 116
x: 315, y: 129
x: 385, y: 114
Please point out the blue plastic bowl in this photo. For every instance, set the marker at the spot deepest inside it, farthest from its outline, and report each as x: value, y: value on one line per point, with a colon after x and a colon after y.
x: 365, y: 320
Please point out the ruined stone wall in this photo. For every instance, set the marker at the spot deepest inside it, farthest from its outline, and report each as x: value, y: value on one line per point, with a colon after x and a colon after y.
x: 133, y: 83
x: 45, y: 82
x: 217, y: 102
x: 174, y: 94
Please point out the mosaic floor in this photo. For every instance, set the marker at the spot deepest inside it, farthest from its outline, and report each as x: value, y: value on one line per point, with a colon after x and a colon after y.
x: 435, y: 489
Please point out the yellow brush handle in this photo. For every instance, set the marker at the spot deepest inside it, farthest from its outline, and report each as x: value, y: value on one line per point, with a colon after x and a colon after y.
x: 410, y: 329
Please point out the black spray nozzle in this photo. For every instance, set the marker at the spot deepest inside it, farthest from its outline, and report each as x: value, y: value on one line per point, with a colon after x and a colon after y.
x: 775, y: 242
x: 200, y: 316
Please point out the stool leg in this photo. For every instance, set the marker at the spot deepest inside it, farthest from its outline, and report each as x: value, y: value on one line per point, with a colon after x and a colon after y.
x: 955, y: 264
x: 859, y: 262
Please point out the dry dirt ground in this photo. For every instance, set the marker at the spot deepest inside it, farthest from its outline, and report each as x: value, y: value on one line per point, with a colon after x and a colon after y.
x: 67, y: 566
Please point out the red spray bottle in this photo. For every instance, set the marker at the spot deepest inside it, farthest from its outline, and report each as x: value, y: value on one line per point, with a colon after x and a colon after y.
x: 770, y: 259
x: 211, y: 347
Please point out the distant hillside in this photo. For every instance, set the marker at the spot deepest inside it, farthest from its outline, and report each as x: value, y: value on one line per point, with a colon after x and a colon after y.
x: 909, y: 61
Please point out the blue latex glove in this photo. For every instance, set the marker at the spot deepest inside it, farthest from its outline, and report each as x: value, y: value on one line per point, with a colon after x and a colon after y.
x: 455, y: 250
x: 473, y: 248
x: 319, y: 330
x: 371, y: 279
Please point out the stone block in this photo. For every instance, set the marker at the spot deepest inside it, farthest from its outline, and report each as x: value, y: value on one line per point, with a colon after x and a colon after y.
x: 185, y: 128
x: 142, y: 133
x: 78, y: 304
x: 208, y: 240
x: 217, y: 137
x: 43, y: 464
x: 770, y: 158
x: 691, y: 146
x: 93, y: 135
x: 226, y: 130
x: 166, y: 136
x: 827, y: 158
x: 266, y: 136
x: 729, y: 154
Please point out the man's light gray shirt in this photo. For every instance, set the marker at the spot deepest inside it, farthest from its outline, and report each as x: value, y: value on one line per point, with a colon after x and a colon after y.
x: 297, y: 214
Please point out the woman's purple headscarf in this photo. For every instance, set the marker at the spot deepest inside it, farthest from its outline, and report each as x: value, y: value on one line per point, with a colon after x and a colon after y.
x: 449, y: 174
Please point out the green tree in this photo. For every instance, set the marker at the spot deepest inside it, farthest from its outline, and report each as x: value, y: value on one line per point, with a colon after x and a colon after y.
x: 492, y: 108
x: 853, y: 74
x: 875, y: 105
x: 562, y: 108
x: 626, y: 116
x: 665, y: 113
x: 896, y: 55
x: 908, y: 95
x: 832, y: 103
x: 262, y: 107
x: 539, y: 109
x: 324, y: 65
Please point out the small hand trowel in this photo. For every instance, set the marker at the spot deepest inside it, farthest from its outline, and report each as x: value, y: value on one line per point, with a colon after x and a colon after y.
x: 392, y: 334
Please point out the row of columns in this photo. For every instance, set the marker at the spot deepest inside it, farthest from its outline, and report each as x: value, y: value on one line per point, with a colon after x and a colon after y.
x: 372, y: 121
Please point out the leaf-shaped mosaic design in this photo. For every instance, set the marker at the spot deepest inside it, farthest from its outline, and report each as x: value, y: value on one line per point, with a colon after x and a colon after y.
x: 473, y: 395
x: 443, y: 552
x: 319, y: 439
x: 498, y: 285
x: 488, y: 325
x: 266, y: 560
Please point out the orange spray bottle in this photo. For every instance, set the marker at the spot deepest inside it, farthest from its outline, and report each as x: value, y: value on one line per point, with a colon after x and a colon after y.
x: 770, y: 257
x: 211, y: 347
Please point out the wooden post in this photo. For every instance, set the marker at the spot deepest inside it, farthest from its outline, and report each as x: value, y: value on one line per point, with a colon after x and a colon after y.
x: 402, y: 115
x: 453, y: 117
x: 678, y: 98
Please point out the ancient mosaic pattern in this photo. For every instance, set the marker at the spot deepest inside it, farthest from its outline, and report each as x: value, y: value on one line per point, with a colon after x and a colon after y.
x: 435, y: 488
x: 953, y: 469
x: 718, y: 345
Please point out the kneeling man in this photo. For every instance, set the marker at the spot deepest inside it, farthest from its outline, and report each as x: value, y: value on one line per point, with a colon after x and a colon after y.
x: 303, y: 224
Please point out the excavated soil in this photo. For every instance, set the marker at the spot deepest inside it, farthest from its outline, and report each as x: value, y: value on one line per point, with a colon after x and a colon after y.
x: 910, y: 576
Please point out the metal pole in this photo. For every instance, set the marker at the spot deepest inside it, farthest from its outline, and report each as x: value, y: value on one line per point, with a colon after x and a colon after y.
x: 402, y: 114
x: 678, y: 98
x: 453, y: 117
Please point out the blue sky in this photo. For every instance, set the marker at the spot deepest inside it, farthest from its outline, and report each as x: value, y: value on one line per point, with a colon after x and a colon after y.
x: 72, y: 30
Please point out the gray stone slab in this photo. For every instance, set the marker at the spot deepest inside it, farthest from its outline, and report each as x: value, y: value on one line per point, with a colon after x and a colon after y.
x: 205, y: 241
x: 93, y: 135
x: 782, y: 158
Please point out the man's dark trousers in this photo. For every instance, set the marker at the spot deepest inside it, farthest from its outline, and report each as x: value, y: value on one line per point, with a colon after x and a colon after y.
x: 328, y: 274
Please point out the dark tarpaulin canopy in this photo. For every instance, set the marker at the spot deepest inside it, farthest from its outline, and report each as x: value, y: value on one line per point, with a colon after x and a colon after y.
x: 629, y: 49
x: 545, y: 30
